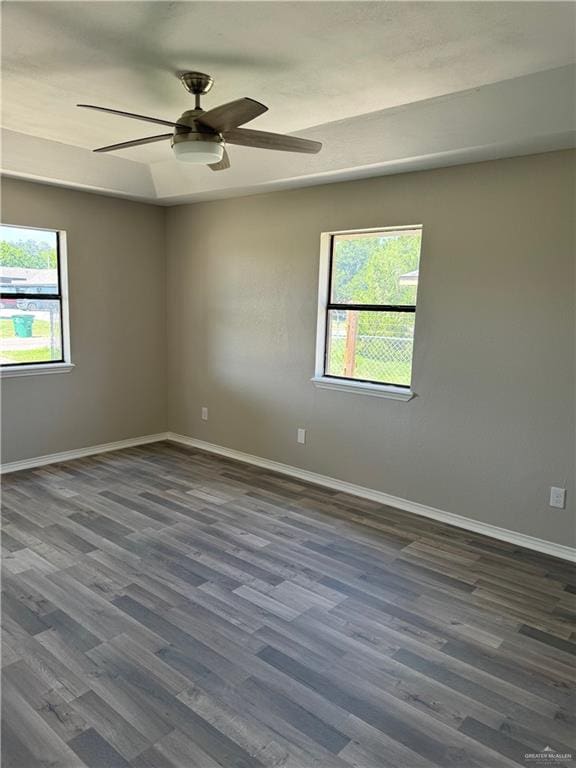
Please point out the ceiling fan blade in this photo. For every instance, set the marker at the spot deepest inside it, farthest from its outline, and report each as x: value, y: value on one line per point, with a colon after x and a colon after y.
x: 134, y: 116
x: 264, y: 140
x: 223, y: 164
x: 231, y: 115
x: 134, y: 143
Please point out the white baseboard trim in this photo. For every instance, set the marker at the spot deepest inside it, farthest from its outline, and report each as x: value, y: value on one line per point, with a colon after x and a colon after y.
x: 512, y: 537
x: 78, y: 453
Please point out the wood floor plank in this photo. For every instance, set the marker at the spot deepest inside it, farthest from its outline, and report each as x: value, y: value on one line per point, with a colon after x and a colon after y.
x: 37, y: 736
x: 168, y: 608
x: 110, y: 725
x: 96, y: 752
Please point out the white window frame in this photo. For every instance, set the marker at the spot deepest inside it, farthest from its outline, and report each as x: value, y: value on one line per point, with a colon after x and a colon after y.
x: 319, y: 379
x: 66, y: 365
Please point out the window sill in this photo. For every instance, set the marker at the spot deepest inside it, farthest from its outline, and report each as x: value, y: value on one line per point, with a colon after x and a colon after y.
x: 8, y: 371
x: 364, y: 388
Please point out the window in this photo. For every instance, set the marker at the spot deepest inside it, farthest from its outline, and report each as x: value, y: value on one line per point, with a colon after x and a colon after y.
x: 33, y: 313
x: 367, y: 309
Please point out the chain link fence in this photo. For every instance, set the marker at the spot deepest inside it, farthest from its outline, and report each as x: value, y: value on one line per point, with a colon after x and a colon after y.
x: 390, y: 353
x: 383, y: 355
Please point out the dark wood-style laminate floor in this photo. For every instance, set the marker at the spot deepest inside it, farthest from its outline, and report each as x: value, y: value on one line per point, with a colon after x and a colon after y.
x: 166, y: 608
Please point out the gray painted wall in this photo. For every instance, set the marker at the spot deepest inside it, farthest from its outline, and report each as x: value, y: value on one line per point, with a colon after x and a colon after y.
x: 493, y: 424
x: 116, y: 270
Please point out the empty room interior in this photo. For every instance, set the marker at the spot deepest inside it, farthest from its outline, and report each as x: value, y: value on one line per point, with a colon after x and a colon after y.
x: 288, y: 396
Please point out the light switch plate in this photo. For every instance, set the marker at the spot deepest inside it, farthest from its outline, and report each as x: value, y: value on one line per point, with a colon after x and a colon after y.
x: 557, y: 497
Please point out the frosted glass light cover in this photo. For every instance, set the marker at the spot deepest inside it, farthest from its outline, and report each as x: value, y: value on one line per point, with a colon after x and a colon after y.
x: 200, y: 152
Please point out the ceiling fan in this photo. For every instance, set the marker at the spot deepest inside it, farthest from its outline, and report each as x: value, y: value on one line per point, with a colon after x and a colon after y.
x: 200, y: 137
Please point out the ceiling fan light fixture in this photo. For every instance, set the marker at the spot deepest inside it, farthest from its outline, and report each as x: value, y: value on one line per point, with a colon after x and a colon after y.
x: 199, y: 152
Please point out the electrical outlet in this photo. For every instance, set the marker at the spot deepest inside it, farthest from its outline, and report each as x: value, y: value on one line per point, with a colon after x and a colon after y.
x: 301, y: 438
x: 204, y: 414
x: 557, y: 497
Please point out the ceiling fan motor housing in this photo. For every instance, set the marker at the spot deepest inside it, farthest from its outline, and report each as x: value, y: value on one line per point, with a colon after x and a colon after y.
x: 198, y: 143
x: 196, y: 131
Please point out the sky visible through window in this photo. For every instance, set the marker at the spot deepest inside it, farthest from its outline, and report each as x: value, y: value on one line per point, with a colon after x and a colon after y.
x: 16, y: 234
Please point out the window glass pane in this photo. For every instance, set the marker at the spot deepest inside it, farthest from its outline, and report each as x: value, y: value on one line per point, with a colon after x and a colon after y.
x: 370, y: 346
x: 376, y: 268
x: 30, y: 331
x: 28, y: 262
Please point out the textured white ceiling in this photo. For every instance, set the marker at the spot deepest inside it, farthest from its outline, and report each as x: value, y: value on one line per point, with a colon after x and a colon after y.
x: 311, y: 62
